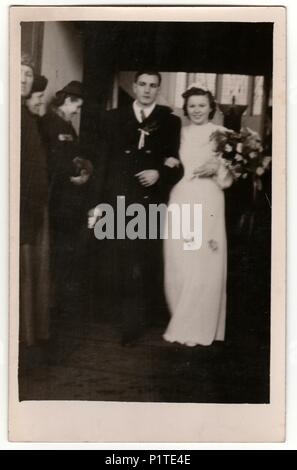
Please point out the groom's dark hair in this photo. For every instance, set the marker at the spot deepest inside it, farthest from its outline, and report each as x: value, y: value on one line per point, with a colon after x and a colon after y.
x: 148, y: 72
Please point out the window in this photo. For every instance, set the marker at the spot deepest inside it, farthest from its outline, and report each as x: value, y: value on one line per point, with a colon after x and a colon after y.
x: 206, y: 80
x: 258, y: 92
x: 180, y: 87
x: 186, y: 80
x: 235, y: 86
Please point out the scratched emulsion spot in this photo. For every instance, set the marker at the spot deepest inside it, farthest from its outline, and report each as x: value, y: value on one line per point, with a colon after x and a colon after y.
x: 213, y: 245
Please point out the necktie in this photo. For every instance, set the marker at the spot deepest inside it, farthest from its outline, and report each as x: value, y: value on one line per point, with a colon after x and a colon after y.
x: 143, y: 133
x: 142, y: 115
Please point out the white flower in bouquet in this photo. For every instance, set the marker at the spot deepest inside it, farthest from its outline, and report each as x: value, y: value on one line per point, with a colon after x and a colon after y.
x: 266, y: 162
x: 228, y: 148
x: 239, y: 147
x: 253, y: 154
x: 260, y: 171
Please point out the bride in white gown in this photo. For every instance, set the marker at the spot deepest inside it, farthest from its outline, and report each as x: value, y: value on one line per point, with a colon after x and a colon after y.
x: 195, y: 280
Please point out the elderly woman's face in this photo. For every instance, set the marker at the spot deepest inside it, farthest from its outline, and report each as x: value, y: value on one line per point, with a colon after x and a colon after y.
x: 27, y: 78
x: 35, y: 102
x: 72, y: 107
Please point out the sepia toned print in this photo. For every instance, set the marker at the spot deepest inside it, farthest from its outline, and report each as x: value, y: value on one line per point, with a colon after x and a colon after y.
x: 121, y: 119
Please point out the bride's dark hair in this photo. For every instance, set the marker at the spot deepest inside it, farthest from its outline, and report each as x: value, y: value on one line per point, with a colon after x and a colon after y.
x: 194, y: 91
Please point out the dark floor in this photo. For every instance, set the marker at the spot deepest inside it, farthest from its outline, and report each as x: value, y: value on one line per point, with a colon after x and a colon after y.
x: 89, y: 363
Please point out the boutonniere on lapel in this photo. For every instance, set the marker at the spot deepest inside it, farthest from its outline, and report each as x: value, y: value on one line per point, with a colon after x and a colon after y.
x: 146, y: 130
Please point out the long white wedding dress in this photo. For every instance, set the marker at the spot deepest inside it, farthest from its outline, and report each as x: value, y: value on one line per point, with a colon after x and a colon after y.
x: 195, y: 280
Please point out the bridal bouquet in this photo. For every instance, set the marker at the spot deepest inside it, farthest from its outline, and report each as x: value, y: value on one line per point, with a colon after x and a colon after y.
x: 242, y: 153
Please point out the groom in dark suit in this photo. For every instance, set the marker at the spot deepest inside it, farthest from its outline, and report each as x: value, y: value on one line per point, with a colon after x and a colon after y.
x: 139, y: 160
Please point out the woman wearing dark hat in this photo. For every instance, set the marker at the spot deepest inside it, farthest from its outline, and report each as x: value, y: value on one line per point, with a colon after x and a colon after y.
x: 68, y: 175
x: 34, y: 241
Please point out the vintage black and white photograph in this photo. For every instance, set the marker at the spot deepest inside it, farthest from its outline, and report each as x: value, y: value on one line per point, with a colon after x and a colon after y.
x: 145, y: 211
